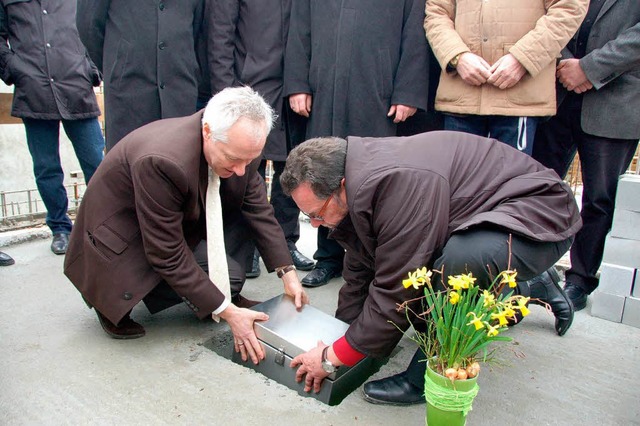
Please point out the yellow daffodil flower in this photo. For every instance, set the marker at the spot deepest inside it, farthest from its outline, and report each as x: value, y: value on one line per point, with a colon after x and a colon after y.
x: 476, y: 321
x: 454, y: 297
x: 492, y: 331
x: 509, y: 277
x: 418, y: 278
x: 489, y: 299
x: 509, y: 312
x: 522, y: 305
x: 501, y: 317
x: 459, y: 282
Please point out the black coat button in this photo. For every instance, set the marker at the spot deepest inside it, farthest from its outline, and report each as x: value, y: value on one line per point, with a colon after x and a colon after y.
x: 162, y: 45
x: 161, y: 6
x: 127, y: 296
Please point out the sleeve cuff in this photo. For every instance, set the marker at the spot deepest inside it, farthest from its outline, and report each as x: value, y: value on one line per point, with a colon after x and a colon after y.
x: 222, y: 307
x: 345, y: 353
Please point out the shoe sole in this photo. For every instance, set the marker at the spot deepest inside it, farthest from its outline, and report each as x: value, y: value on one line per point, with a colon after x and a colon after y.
x: 120, y: 336
x: 382, y: 402
x: 7, y: 262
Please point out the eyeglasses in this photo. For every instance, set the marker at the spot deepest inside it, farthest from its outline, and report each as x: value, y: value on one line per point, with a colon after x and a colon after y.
x: 320, y: 215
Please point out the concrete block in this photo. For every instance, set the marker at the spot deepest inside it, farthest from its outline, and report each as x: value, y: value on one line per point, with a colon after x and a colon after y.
x: 607, y: 306
x: 616, y: 279
x: 622, y: 252
x: 631, y: 313
x: 635, y: 291
x: 628, y: 195
x: 626, y: 224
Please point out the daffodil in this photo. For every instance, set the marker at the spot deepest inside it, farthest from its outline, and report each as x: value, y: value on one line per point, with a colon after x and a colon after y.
x: 459, y: 282
x: 454, y: 297
x: 501, y: 317
x: 509, y: 277
x: 418, y: 278
x: 476, y: 321
x: 508, y: 311
x: 522, y: 305
x: 489, y: 299
x: 492, y: 331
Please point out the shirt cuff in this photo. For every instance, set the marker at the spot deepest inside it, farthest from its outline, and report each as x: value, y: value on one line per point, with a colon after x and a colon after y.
x: 345, y: 353
x: 222, y: 307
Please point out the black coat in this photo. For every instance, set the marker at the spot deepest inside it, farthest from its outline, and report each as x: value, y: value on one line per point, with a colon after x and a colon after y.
x: 146, y: 50
x: 246, y: 47
x: 356, y: 58
x: 47, y: 62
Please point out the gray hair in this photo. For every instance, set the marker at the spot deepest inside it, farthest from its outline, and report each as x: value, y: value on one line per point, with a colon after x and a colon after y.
x: 319, y: 162
x: 231, y: 104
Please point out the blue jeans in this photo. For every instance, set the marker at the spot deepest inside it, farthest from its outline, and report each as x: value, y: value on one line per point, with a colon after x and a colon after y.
x: 43, y: 141
x: 517, y: 132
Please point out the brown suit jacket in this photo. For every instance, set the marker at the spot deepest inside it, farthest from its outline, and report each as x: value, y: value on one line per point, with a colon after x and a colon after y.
x: 143, y: 213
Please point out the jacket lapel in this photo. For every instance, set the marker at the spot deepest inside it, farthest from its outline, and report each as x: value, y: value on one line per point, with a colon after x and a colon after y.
x: 606, y: 6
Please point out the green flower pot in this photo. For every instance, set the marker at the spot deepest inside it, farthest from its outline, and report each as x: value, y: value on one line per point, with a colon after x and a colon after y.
x: 447, y: 400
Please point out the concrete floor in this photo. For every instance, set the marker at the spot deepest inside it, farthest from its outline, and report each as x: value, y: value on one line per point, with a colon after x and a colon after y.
x: 58, y: 367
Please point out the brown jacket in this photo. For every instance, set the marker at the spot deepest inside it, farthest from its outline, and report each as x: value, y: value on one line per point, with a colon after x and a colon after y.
x: 533, y: 31
x: 406, y: 196
x: 143, y: 212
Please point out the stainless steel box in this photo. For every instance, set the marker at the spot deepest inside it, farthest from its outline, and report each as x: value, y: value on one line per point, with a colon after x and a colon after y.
x: 289, y: 333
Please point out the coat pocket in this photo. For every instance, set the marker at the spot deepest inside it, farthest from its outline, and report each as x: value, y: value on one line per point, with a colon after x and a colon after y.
x: 532, y: 91
x: 107, y: 242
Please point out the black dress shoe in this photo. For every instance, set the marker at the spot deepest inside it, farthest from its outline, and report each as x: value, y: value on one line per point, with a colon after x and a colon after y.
x: 60, y: 243
x: 577, y: 296
x: 319, y: 276
x: 394, y: 390
x: 6, y: 260
x: 243, y: 302
x: 300, y: 261
x: 254, y: 272
x: 126, y: 328
x: 546, y: 288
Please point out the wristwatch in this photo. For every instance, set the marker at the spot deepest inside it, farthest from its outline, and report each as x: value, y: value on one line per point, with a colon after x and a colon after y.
x: 327, y: 366
x: 281, y: 271
x: 454, y: 62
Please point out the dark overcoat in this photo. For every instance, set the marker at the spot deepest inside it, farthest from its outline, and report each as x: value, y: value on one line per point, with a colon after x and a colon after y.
x: 46, y: 61
x: 406, y: 196
x: 356, y: 58
x: 246, y: 48
x: 143, y: 213
x: 146, y: 50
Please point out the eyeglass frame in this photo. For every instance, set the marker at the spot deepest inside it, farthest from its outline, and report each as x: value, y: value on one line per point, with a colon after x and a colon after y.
x: 319, y: 216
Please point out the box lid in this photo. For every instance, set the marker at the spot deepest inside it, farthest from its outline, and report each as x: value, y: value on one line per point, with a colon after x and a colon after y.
x: 295, y: 332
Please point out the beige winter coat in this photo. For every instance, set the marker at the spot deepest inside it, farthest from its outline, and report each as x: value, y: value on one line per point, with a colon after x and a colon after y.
x: 533, y: 31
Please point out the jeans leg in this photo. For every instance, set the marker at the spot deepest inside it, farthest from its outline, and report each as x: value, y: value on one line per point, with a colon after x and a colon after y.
x: 88, y: 143
x: 473, y: 124
x: 43, y: 142
x: 518, y: 132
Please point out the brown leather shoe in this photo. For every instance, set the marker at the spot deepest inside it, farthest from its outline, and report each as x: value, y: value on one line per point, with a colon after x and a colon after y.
x: 126, y: 328
x: 243, y: 302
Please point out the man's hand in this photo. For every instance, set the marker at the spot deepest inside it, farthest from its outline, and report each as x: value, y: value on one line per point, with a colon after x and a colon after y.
x: 310, y: 366
x: 473, y: 69
x: 402, y: 112
x: 506, y: 72
x: 572, y: 77
x: 293, y: 288
x: 244, y: 338
x: 300, y: 103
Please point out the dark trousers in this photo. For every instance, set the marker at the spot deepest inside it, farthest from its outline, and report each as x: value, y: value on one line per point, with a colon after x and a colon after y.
x: 602, y: 160
x: 484, y: 252
x: 238, y: 246
x: 285, y: 209
x: 517, y: 132
x: 43, y: 139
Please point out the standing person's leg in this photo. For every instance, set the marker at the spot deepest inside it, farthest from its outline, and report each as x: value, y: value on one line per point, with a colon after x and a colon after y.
x: 555, y: 142
x: 518, y: 132
x: 484, y: 252
x: 329, y: 257
x: 43, y: 142
x: 287, y: 213
x: 603, y: 160
x: 88, y: 143
x: 472, y: 124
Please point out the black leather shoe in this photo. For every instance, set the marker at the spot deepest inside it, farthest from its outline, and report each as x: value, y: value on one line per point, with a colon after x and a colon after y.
x: 60, y: 243
x: 126, y: 328
x: 577, y: 296
x: 6, y: 260
x: 394, y: 390
x: 300, y: 261
x: 254, y: 272
x: 319, y: 276
x: 546, y: 288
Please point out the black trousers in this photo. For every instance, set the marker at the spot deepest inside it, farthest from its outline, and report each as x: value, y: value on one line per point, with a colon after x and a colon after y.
x: 484, y: 251
x: 602, y: 161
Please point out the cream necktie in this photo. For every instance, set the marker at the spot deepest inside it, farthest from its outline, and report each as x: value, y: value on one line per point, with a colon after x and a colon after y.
x: 216, y: 254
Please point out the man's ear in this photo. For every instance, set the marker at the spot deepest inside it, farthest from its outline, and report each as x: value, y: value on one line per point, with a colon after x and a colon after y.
x: 206, y: 131
x: 342, y: 182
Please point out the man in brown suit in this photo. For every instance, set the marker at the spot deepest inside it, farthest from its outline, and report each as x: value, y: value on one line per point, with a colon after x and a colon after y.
x: 143, y: 216
x: 433, y: 199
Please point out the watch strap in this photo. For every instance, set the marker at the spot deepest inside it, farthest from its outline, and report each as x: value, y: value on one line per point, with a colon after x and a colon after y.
x: 280, y: 272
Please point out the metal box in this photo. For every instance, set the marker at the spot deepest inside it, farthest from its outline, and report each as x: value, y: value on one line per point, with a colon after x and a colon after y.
x: 289, y: 333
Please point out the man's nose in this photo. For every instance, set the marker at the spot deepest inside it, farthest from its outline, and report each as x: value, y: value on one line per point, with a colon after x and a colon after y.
x: 239, y: 169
